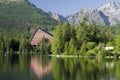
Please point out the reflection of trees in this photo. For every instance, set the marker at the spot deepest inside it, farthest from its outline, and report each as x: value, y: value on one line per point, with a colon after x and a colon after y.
x: 116, y: 69
x: 78, y: 69
x: 40, y: 67
x: 14, y: 67
x: 14, y: 61
x: 62, y: 69
x: 21, y: 68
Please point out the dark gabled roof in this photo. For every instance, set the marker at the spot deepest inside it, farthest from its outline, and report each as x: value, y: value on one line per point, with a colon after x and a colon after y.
x: 44, y: 31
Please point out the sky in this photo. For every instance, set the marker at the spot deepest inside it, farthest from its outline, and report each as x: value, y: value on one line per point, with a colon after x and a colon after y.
x: 65, y: 7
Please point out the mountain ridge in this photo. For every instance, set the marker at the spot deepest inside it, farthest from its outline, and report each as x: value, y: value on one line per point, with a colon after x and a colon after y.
x: 106, y: 14
x: 57, y: 16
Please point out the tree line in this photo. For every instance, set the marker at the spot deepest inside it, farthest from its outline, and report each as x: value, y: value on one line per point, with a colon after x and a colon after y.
x: 85, y: 39
x: 82, y: 39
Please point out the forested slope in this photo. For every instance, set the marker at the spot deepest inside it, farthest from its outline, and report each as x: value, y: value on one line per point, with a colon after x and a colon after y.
x: 20, y: 16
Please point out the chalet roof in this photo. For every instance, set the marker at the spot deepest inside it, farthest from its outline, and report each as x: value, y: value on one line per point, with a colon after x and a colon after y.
x: 38, y: 35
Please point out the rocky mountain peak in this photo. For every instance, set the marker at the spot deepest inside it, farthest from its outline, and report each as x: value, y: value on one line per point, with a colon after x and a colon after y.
x: 110, y: 7
x: 112, y: 11
x: 107, y: 14
x: 57, y: 16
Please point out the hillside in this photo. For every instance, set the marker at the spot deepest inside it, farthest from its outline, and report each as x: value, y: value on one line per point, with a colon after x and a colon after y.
x: 21, y: 17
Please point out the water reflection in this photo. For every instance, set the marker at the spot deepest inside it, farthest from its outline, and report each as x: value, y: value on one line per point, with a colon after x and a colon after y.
x: 21, y: 67
x: 39, y: 67
x: 83, y: 69
x: 25, y: 67
x: 14, y: 59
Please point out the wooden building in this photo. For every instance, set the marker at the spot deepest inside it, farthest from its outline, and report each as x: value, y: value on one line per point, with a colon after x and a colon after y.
x: 38, y: 35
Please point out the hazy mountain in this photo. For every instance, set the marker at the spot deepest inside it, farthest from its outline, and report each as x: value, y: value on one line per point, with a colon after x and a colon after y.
x: 57, y: 16
x: 107, y: 14
x: 21, y: 16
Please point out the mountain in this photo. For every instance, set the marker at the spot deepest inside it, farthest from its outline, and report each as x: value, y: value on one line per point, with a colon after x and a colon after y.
x: 107, y: 14
x: 92, y: 15
x: 112, y: 11
x: 57, y: 17
x: 22, y: 17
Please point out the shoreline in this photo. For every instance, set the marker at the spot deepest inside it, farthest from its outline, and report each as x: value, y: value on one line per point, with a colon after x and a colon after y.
x: 70, y: 56
x: 76, y: 56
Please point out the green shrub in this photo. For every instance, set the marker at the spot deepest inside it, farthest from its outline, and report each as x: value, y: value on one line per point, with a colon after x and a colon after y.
x: 90, y: 45
x: 105, y: 53
x: 109, y: 44
x: 93, y: 51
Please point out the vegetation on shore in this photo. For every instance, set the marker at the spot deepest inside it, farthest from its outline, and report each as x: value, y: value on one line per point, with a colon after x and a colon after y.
x: 86, y: 39
x: 77, y: 40
x: 21, y: 45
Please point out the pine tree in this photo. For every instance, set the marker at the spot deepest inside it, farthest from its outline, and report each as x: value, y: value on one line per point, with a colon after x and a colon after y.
x: 66, y: 49
x: 83, y: 48
x: 72, y: 47
x: 57, y: 42
x: 66, y: 32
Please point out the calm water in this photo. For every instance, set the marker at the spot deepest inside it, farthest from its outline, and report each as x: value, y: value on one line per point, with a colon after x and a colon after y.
x: 18, y: 67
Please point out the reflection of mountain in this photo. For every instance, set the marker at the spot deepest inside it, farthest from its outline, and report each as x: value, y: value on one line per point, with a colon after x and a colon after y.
x: 38, y: 67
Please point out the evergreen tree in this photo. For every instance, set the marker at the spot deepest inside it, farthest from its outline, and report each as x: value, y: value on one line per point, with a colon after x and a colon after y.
x: 66, y: 32
x: 117, y: 43
x: 57, y: 42
x: 72, y: 47
x: 83, y: 48
x: 66, y: 49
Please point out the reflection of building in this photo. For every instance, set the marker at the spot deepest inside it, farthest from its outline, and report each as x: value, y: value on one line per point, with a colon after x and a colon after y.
x: 38, y: 35
x: 38, y: 69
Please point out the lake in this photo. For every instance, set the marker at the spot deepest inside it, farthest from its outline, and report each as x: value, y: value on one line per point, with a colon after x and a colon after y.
x: 21, y: 67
